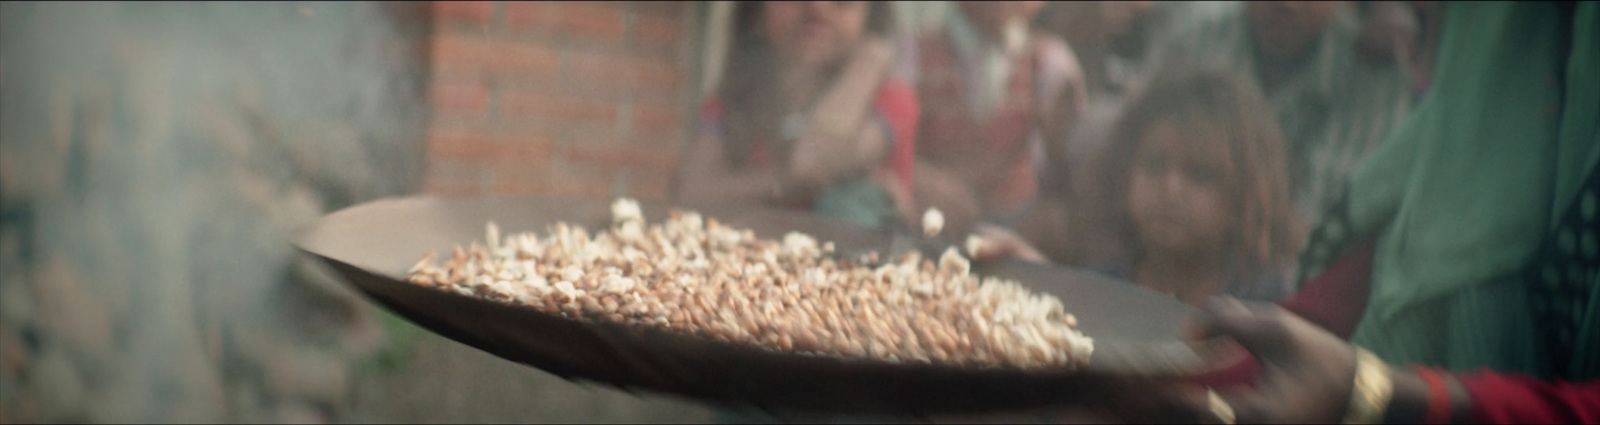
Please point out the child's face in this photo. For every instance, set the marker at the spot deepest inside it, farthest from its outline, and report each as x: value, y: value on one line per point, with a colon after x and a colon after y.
x: 813, y: 33
x: 1178, y: 195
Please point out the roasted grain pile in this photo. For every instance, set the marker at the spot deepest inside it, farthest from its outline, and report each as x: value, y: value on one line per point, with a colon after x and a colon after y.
x: 698, y: 276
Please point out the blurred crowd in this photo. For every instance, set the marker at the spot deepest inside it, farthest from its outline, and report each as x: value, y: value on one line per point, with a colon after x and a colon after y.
x: 1182, y: 146
x: 158, y: 158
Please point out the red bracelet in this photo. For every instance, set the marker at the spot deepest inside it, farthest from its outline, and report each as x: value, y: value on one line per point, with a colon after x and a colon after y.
x: 1438, y: 397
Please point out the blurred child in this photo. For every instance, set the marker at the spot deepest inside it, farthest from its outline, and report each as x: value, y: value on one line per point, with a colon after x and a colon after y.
x: 1332, y: 107
x: 1196, y: 184
x: 807, y: 116
x: 998, y: 96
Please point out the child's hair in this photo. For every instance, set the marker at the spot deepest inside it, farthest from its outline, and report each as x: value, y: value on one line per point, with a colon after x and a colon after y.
x: 1264, y: 231
x: 748, y: 89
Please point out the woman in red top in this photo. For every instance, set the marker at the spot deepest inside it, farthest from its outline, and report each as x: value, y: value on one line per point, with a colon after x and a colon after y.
x: 806, y: 116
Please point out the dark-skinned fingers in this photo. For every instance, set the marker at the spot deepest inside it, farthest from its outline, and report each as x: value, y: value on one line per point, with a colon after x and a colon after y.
x: 1251, y: 406
x: 1260, y: 328
x: 1206, y: 324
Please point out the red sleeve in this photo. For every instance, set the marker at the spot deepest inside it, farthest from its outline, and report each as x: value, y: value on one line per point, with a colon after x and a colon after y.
x: 897, y: 106
x: 1334, y: 300
x: 1337, y: 298
x: 1499, y: 398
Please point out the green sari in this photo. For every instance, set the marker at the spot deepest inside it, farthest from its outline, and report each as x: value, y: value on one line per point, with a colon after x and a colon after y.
x: 1485, y: 225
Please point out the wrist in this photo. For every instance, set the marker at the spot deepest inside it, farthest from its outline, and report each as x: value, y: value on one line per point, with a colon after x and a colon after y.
x: 1448, y: 402
x: 1415, y: 395
x: 1413, y: 399
x: 1426, y: 395
x: 1372, y: 390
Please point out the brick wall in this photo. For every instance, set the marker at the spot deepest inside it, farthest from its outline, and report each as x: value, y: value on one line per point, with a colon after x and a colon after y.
x: 571, y: 98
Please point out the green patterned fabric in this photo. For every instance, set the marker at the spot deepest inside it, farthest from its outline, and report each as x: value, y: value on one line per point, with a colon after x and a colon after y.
x: 1464, y: 193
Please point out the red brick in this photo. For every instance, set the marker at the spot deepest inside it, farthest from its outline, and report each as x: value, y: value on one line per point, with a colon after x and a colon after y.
x: 438, y: 188
x: 660, y: 126
x: 556, y: 108
x: 468, y: 57
x: 443, y: 136
x: 483, y: 145
x: 454, y: 176
x: 620, y: 157
x: 517, y: 190
x: 652, y: 187
x: 574, y: 178
x: 655, y: 50
x: 455, y: 120
x: 472, y: 12
x: 463, y: 150
x: 459, y: 54
x: 522, y: 14
x: 528, y: 83
x: 522, y: 59
x: 654, y: 31
x: 516, y: 176
x: 469, y: 98
x: 515, y: 127
x: 664, y: 174
x: 659, y: 96
x: 575, y: 187
x: 661, y: 8
x: 657, y: 119
x: 459, y: 75
x: 527, y: 180
x: 455, y: 170
x: 668, y: 145
x: 526, y: 148
x: 593, y: 134
x: 597, y: 20
x: 625, y: 73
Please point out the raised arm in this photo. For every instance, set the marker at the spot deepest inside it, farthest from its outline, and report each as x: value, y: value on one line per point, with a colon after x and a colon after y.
x: 840, y: 138
x: 1063, y: 98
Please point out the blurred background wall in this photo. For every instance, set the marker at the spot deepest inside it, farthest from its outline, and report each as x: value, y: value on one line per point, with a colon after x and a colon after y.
x: 589, y: 98
x: 528, y: 98
x: 156, y: 160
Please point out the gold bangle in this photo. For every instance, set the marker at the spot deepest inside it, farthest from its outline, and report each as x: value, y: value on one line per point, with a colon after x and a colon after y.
x: 1220, y: 407
x: 1373, y: 389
